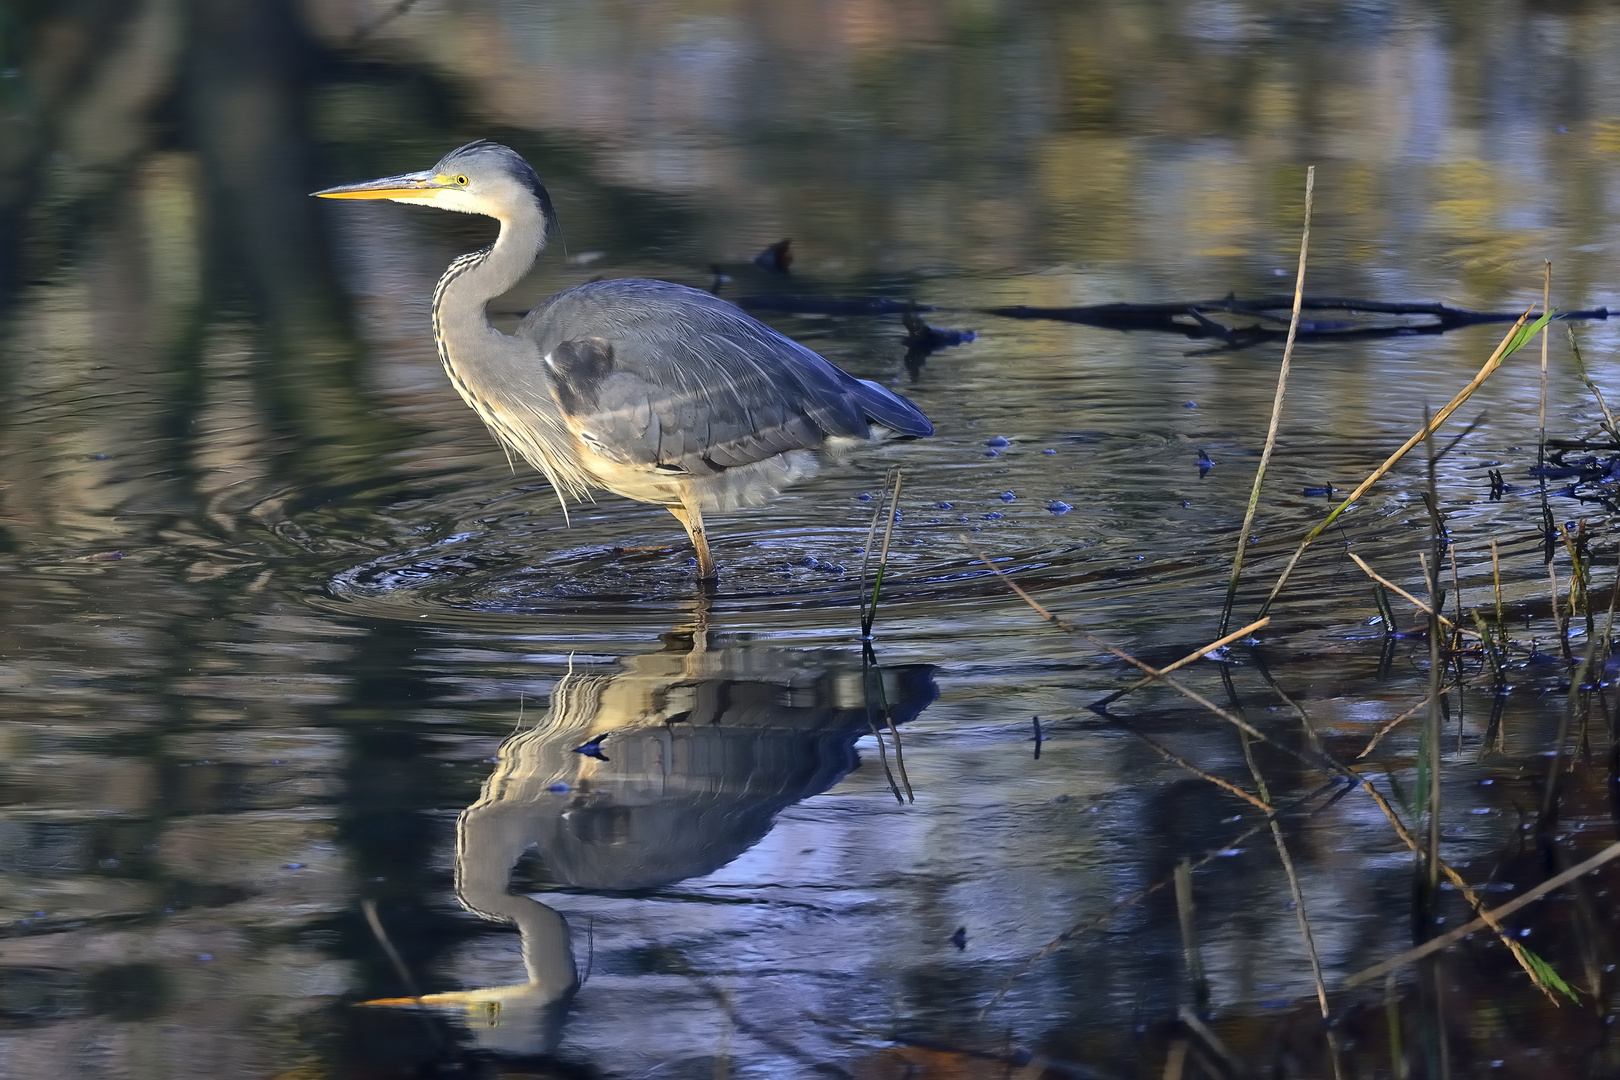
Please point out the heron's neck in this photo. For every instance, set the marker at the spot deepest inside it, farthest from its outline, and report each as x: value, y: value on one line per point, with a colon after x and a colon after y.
x: 459, y: 314
x: 489, y: 839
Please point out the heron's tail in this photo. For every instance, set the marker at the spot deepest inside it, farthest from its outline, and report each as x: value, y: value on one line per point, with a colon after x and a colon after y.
x: 891, y: 410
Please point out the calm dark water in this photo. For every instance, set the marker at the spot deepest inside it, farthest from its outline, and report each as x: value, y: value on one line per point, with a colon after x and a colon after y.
x: 284, y: 640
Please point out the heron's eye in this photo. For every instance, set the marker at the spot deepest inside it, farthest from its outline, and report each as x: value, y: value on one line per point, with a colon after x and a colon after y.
x: 461, y: 181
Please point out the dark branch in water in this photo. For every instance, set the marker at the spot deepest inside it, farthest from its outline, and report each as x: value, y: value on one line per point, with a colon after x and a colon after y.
x: 1193, y: 320
x: 828, y: 305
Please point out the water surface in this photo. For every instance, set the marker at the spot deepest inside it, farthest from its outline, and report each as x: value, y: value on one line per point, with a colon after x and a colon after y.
x: 285, y: 639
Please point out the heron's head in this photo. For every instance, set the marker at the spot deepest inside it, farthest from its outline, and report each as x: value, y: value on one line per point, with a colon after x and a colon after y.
x: 479, y: 178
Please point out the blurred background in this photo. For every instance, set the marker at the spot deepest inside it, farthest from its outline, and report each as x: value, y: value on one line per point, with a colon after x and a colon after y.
x: 271, y: 599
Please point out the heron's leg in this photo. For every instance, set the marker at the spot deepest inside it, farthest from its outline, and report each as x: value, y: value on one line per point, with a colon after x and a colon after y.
x: 692, y: 518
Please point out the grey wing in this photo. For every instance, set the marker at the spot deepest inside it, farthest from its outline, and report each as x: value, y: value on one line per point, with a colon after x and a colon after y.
x: 653, y: 374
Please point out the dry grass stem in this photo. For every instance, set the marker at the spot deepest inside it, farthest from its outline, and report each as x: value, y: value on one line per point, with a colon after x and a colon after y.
x: 1456, y: 597
x: 1199, y: 654
x: 1546, y: 302
x: 1461, y: 886
x: 1390, y: 585
x: 1298, y: 895
x: 1175, y: 1062
x: 1276, y: 406
x: 1560, y: 618
x: 1490, y: 918
x: 1496, y: 578
x: 1231, y: 789
x: 1211, y: 1040
x: 1080, y: 928
x: 869, y: 610
x: 1580, y: 369
x: 1509, y: 343
x: 1392, y: 725
x: 369, y: 907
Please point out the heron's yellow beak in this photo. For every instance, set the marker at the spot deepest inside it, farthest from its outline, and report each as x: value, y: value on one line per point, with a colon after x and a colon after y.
x: 416, y: 185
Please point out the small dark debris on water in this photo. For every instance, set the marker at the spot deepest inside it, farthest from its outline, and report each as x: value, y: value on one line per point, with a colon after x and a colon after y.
x: 959, y: 939
x: 593, y: 749
x: 1038, y: 739
x: 1593, y: 477
x: 922, y: 339
x: 992, y: 453
x: 1205, y: 463
x: 103, y: 556
x: 993, y: 516
x: 1008, y: 496
x: 1189, y: 404
x: 1059, y: 507
x: 865, y: 496
x: 1312, y: 492
x: 998, y: 443
x: 1049, y: 450
x: 776, y: 258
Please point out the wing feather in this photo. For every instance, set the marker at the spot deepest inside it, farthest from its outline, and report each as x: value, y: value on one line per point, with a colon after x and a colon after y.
x: 662, y: 375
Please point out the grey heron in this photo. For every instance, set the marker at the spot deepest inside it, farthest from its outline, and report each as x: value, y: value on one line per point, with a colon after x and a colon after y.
x: 647, y: 389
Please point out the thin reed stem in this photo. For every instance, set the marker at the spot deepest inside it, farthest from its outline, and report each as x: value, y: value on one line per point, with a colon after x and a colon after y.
x: 1276, y: 406
x: 1580, y: 369
x: 1393, y: 724
x: 1496, y: 578
x: 1230, y: 788
x: 1103, y: 703
x: 870, y: 610
x: 1390, y: 585
x: 1086, y: 925
x: 869, y: 661
x: 1492, y: 918
x: 1431, y: 571
x: 1546, y: 303
x: 1511, y: 343
x: 1185, y: 916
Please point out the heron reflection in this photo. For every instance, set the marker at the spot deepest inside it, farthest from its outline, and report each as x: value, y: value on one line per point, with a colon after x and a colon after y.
x: 698, y: 751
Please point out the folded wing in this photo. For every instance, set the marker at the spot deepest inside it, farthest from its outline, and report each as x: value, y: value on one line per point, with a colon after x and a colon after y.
x: 657, y: 375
